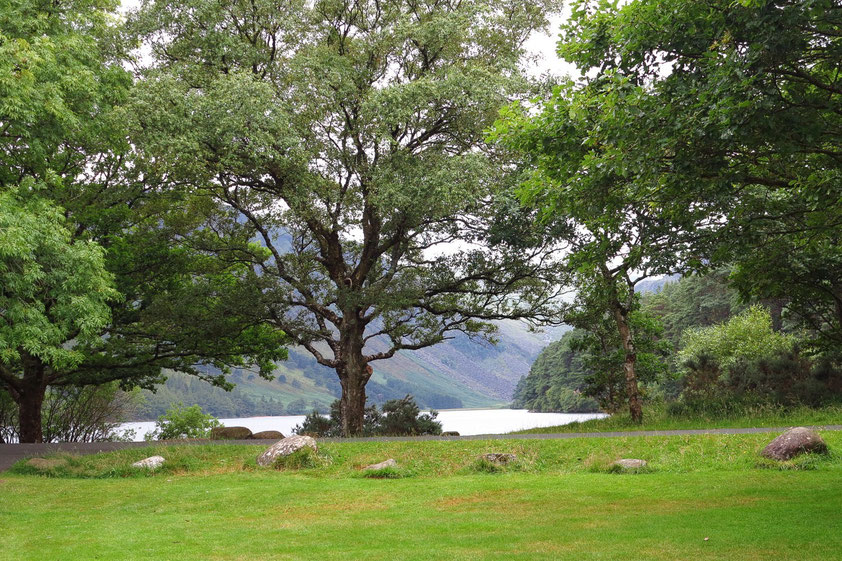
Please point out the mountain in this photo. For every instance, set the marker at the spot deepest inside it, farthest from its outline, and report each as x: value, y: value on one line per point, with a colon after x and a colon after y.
x: 459, y: 372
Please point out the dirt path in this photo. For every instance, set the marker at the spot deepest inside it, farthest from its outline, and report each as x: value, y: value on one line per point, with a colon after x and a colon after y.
x: 11, y: 453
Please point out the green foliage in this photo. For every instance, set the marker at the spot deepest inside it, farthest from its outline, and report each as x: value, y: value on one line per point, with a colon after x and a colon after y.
x: 733, y: 110
x: 603, y: 358
x: 744, y: 338
x: 385, y: 473
x: 183, y: 422
x: 693, y: 301
x: 54, y: 290
x: 403, y: 417
x: 316, y: 424
x: 138, y: 286
x: 187, y: 389
x: 74, y: 414
x: 482, y: 465
x: 399, y: 417
x: 703, y: 133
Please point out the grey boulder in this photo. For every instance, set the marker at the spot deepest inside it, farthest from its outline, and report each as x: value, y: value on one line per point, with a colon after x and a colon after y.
x: 795, y: 441
x: 230, y: 433
x: 630, y: 463
x: 266, y: 435
x: 152, y: 462
x: 390, y: 463
x: 498, y: 458
x: 285, y: 447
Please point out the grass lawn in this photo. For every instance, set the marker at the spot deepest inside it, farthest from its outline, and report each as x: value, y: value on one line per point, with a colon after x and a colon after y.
x: 657, y: 418
x: 557, y: 501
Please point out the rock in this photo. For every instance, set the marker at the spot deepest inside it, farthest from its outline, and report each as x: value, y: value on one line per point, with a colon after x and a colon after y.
x: 267, y: 435
x: 285, y: 447
x: 630, y: 463
x: 390, y: 463
x: 44, y: 463
x: 230, y: 433
x: 793, y: 442
x: 152, y: 462
x: 498, y: 458
x: 450, y: 433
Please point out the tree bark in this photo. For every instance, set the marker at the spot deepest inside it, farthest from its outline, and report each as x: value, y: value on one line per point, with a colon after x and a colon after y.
x: 354, y: 373
x: 30, y: 398
x: 352, y: 405
x: 632, y: 390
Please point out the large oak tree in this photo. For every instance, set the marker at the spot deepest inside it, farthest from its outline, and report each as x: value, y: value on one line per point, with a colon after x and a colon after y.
x: 348, y: 137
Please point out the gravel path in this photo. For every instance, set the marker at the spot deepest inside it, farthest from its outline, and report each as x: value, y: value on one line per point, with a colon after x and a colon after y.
x: 11, y: 453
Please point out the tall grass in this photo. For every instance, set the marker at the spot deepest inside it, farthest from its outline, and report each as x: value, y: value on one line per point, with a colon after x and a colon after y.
x: 339, y: 460
x: 723, y: 414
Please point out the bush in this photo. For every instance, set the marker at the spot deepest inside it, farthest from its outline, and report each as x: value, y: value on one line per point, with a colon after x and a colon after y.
x: 317, y: 425
x: 744, y: 363
x: 400, y: 417
x: 183, y: 422
x: 744, y: 338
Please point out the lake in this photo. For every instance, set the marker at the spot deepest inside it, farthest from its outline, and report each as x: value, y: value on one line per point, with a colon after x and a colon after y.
x: 465, y: 421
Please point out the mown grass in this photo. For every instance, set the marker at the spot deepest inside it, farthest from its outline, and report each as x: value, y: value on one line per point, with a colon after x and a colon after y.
x: 275, y: 515
x: 701, y: 497
x: 657, y: 417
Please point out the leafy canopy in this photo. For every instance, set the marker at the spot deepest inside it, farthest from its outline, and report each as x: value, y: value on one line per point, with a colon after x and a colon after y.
x: 56, y: 293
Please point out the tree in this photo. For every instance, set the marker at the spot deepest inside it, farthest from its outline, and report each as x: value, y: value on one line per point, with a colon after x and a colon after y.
x: 65, y: 159
x: 603, y: 202
x: 400, y: 417
x: 742, y: 106
x: 693, y: 301
x: 54, y: 292
x: 348, y: 138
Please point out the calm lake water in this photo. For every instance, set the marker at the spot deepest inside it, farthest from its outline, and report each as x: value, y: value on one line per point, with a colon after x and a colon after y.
x: 465, y: 421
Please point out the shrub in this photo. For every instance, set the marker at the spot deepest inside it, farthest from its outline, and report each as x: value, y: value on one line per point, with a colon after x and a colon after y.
x: 385, y: 473
x: 744, y: 338
x: 183, y: 422
x: 744, y: 363
x: 481, y: 465
x: 400, y: 417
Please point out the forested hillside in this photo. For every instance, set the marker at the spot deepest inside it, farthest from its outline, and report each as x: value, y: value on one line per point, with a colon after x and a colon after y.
x: 698, y: 348
x: 558, y: 380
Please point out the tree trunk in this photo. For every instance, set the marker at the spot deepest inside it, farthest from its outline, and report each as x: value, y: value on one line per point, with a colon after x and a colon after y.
x: 353, y: 405
x: 30, y: 399
x: 635, y: 407
x: 353, y: 376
